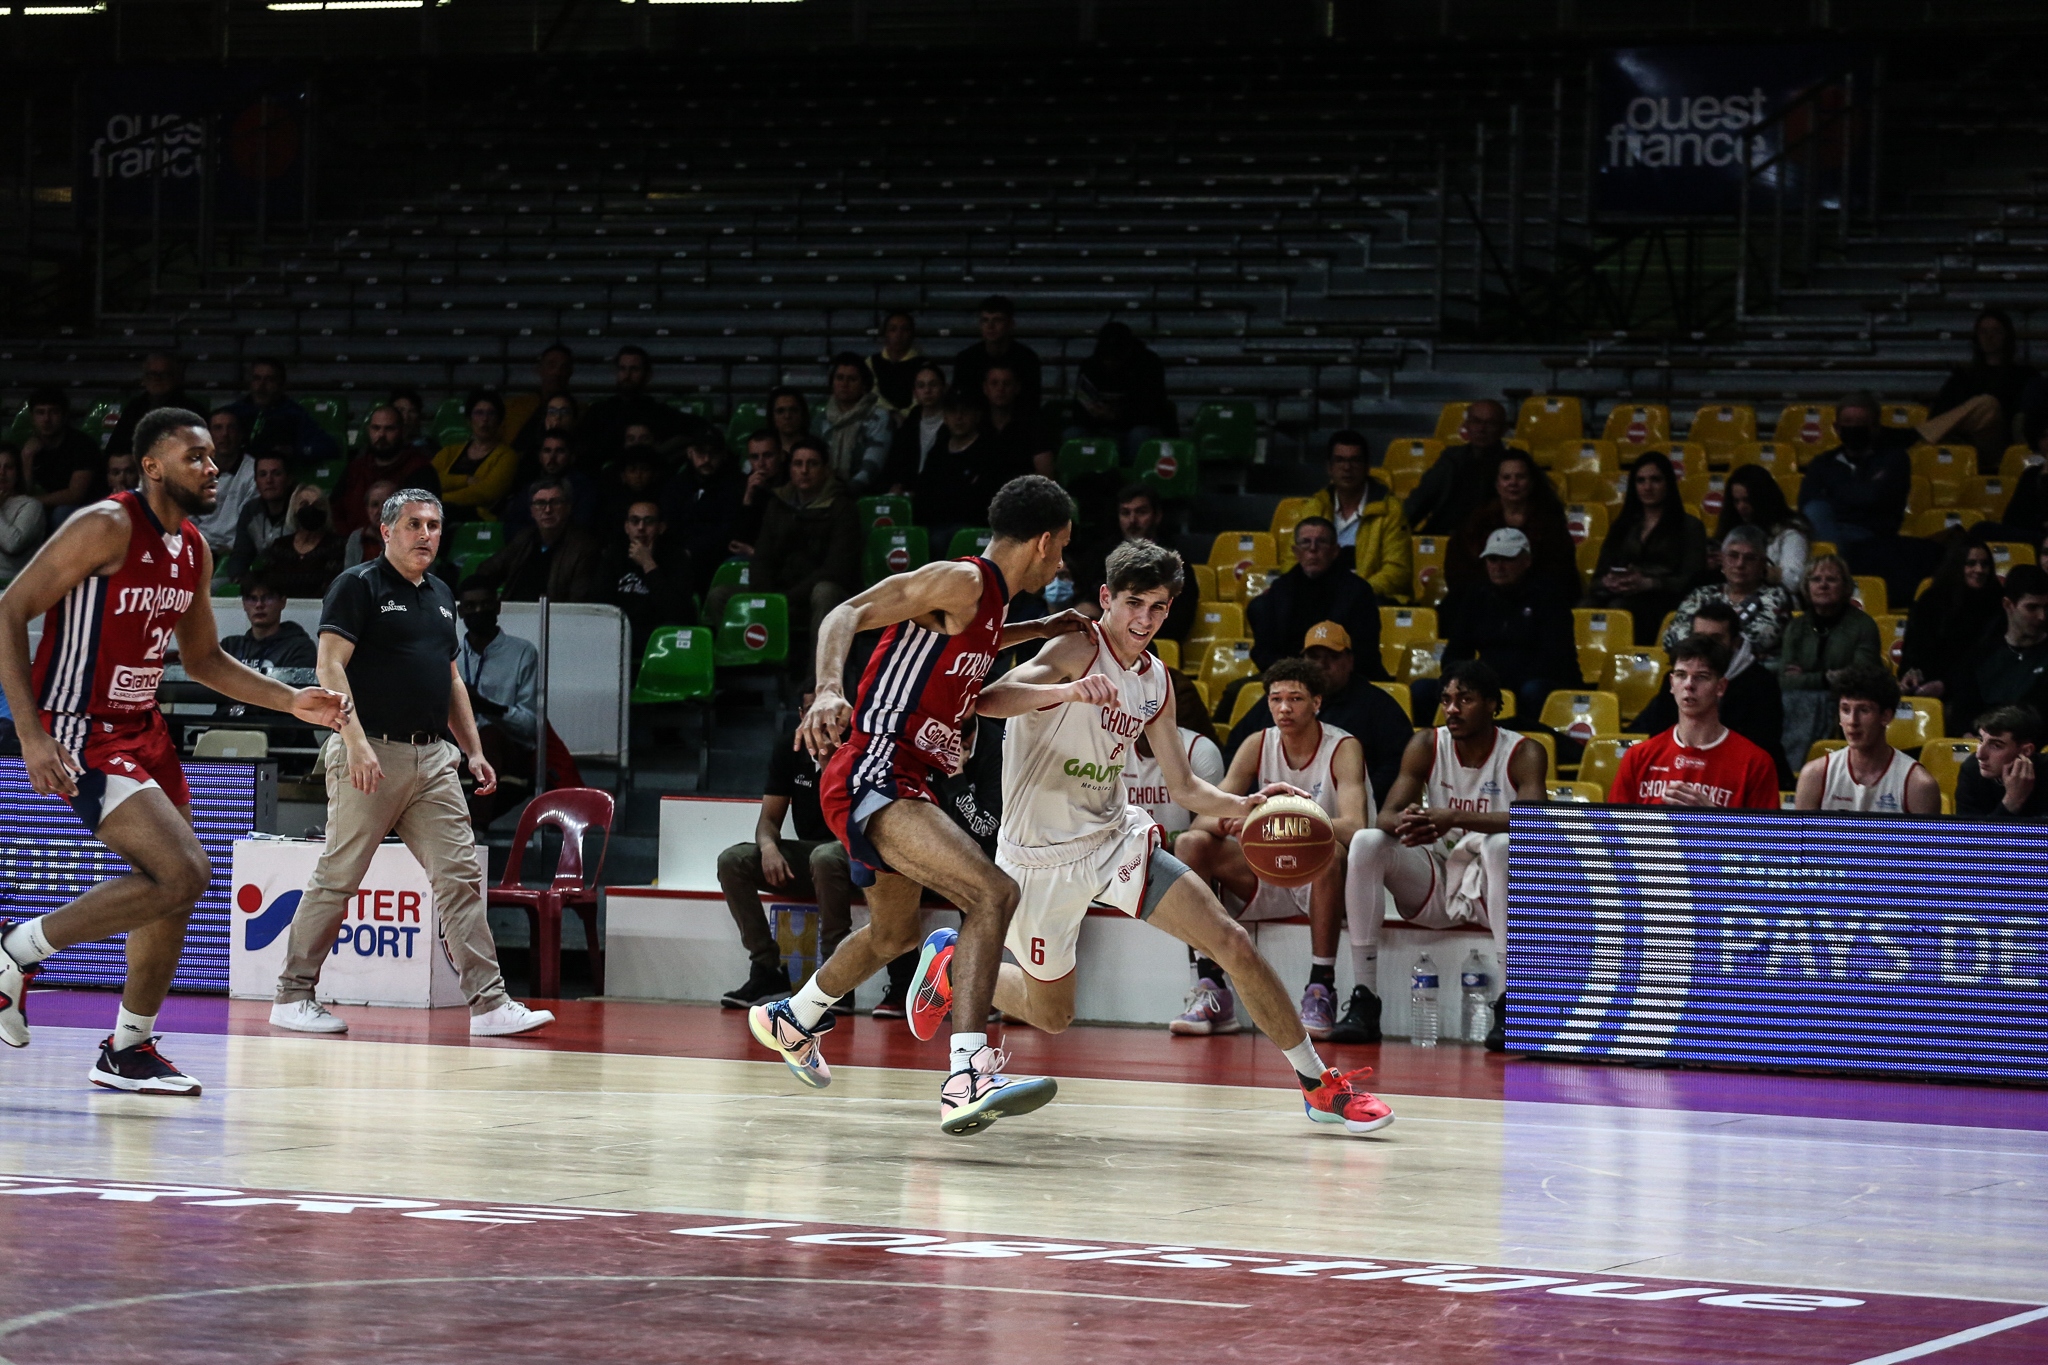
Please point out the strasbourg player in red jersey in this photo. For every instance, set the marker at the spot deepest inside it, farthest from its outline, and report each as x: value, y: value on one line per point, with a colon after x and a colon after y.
x: 943, y: 628
x: 116, y: 587
x: 1699, y: 761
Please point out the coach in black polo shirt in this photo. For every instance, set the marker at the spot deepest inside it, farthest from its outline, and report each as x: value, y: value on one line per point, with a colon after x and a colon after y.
x: 388, y: 639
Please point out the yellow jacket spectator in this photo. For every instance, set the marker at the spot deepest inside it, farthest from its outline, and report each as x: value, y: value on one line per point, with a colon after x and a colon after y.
x: 477, y: 474
x: 1368, y: 517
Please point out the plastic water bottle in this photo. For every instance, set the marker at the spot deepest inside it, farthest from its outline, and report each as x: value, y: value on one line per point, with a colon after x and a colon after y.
x: 1472, y: 980
x: 1422, y: 1019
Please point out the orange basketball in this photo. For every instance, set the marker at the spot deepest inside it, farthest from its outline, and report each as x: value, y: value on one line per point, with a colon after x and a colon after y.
x: 1288, y: 841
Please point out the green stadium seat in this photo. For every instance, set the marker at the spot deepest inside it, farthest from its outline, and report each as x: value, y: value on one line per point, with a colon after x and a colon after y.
x: 895, y: 549
x: 888, y: 510
x: 697, y: 407
x: 474, y: 542
x: 19, y: 429
x: 1087, y: 455
x: 1227, y: 432
x: 736, y: 572
x: 1168, y: 468
x: 331, y: 412
x: 969, y: 540
x: 755, y: 630
x: 325, y: 476
x: 449, y: 423
x: 676, y: 667
x: 99, y: 422
x: 747, y: 418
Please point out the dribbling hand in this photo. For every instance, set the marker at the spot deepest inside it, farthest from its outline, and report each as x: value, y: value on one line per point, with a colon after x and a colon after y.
x: 52, y: 771
x: 824, y: 725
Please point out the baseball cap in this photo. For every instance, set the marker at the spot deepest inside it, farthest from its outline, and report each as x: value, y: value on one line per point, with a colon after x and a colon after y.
x: 1505, y: 543
x: 1328, y: 635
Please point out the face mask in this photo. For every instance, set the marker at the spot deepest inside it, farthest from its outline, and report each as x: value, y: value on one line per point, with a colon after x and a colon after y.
x: 311, y: 518
x: 1059, y: 592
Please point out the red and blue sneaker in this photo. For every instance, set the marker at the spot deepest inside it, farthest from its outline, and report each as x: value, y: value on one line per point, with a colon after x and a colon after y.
x: 14, y: 979
x: 1337, y: 1100
x: 931, y: 985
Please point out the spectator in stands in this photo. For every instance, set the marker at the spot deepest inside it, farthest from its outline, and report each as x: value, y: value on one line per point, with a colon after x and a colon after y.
x: 1977, y: 404
x: 603, y: 429
x: 1762, y: 609
x: 893, y: 369
x: 1138, y: 517
x: 1699, y: 761
x: 1868, y: 774
x: 789, y: 415
x: 1519, y: 625
x: 2002, y: 780
x: 366, y: 542
x: 960, y: 476
x: 563, y: 415
x: 1018, y: 440
x: 767, y: 472
x: 501, y: 673
x: 1525, y: 501
x: 1945, y: 623
x: 2009, y: 665
x: 919, y: 428
x: 124, y: 473
x: 236, y: 487
x: 477, y: 474
x: 700, y: 507
x: 63, y: 466
x: 22, y: 520
x: 556, y: 459
x: 1831, y: 637
x: 552, y: 372
x: 812, y: 866
x: 265, y: 517
x: 810, y: 549
x: 1372, y: 530
x: 1458, y: 483
x: 1855, y: 496
x: 855, y: 429
x: 303, y: 562
x: 999, y: 342
x: 1350, y: 703
x: 1653, y: 551
x: 1314, y: 590
x: 553, y: 556
x: 412, y: 411
x: 1753, y: 706
x: 270, y: 642
x: 386, y: 458
x: 163, y: 386
x: 273, y: 420
x: 1120, y: 392
x: 1752, y: 497
x: 649, y: 577
x: 638, y: 473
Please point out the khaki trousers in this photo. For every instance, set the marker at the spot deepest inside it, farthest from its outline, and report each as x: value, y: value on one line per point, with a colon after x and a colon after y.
x: 420, y: 799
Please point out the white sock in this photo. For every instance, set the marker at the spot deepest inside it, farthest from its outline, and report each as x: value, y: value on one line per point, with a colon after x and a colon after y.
x: 1322, y: 961
x: 26, y: 944
x: 130, y: 1029
x: 810, y: 1003
x: 965, y: 1045
x: 1302, y: 1057
x: 1365, y: 965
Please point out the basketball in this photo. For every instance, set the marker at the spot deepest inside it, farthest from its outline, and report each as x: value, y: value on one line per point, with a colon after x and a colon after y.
x: 1288, y: 841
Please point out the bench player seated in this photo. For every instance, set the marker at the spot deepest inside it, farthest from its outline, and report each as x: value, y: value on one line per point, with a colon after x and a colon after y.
x: 1071, y: 839
x: 1328, y: 764
x: 1441, y: 843
x: 1869, y: 774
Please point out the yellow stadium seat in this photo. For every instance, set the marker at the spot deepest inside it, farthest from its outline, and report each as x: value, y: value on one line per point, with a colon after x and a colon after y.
x: 1589, y: 554
x: 1943, y: 462
x: 1824, y: 746
x: 1217, y: 621
x: 1429, y: 569
x: 1557, y: 482
x: 1687, y: 455
x: 1808, y: 428
x: 1919, y: 495
x: 1450, y: 422
x: 1224, y: 662
x: 1582, y: 715
x: 1869, y: 594
x: 1234, y: 554
x: 1208, y: 702
x: 1634, y: 676
x: 1606, y: 489
x: 1584, y: 457
x: 1602, y: 760
x: 1987, y: 495
x: 1258, y: 580
x: 1546, y: 419
x: 2006, y: 553
x: 1937, y: 520
x: 1639, y: 427
x: 1583, y: 793
x: 1247, y: 697
x: 1290, y: 511
x: 1205, y: 583
x: 1423, y: 659
x: 1611, y: 630
x: 1587, y: 521
x: 1399, y: 692
x: 1776, y: 456
x: 1721, y: 427
x: 1592, y: 661
x: 1891, y: 635
x: 1944, y: 758
x: 1416, y: 453
x: 1549, y: 745
x: 1917, y: 721
x: 1168, y: 652
x: 1402, y: 482
x: 2015, y: 462
x: 1820, y: 549
x: 1789, y: 483
x: 1899, y: 416
x: 1401, y: 630
x: 1694, y: 482
x: 1713, y: 499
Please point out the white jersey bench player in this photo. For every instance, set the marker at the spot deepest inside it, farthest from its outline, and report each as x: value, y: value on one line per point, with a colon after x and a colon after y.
x: 1868, y: 774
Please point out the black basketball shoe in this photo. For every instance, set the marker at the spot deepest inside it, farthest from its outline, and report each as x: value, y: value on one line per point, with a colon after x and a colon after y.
x: 1361, y: 1021
x: 140, y: 1070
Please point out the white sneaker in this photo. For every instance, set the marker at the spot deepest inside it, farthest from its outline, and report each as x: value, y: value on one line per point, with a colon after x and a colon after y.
x: 510, y: 1017
x: 306, y: 1016
x: 13, y: 1008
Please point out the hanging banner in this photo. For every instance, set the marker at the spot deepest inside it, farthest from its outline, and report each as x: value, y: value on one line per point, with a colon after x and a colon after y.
x: 142, y: 134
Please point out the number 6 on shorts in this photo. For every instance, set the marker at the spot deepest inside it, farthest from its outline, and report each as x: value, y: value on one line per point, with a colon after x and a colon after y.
x: 1038, y: 952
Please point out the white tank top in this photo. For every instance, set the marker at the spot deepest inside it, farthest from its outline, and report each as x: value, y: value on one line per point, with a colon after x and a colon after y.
x: 1147, y: 787
x: 1063, y: 767
x: 1313, y: 777
x: 1484, y: 788
x: 1888, y: 794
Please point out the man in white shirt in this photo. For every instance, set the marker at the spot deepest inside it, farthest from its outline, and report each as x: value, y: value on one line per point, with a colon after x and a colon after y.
x: 502, y: 673
x: 237, y: 481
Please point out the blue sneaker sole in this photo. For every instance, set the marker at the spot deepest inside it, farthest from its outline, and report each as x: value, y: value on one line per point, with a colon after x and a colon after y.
x: 1013, y: 1100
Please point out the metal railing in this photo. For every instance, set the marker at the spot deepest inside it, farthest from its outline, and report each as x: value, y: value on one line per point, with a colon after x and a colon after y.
x: 1829, y: 112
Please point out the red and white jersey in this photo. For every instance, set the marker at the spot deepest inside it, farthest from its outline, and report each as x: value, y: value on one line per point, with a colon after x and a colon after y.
x: 1841, y: 791
x: 102, y: 651
x: 920, y: 685
x: 1147, y: 786
x: 1733, y: 771
x: 1484, y: 787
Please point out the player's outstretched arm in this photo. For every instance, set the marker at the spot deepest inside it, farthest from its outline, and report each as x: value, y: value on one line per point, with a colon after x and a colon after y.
x: 208, y: 664
x: 1056, y: 676
x: 90, y: 543
x: 938, y: 594
x: 1044, y: 628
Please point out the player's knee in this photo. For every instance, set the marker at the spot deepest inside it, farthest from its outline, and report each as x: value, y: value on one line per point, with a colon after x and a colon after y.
x: 1194, y: 847
x: 184, y: 878
x: 999, y: 898
x: 1233, y: 949
x: 1056, y: 1020
x: 732, y: 862
x: 1370, y: 846
x: 828, y: 863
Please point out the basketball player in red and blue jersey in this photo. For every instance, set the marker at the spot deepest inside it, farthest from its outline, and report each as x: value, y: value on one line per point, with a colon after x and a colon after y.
x: 118, y: 585
x: 943, y: 629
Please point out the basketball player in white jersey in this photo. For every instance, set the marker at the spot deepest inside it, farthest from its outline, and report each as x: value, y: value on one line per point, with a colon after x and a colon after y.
x: 1868, y: 775
x: 1329, y: 764
x: 1457, y: 780
x: 1071, y: 839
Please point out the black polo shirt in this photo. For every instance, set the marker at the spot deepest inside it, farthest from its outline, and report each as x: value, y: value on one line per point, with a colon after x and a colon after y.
x: 405, y: 636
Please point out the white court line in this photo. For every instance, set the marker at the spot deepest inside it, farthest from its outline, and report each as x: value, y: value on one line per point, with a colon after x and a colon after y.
x: 1968, y: 1334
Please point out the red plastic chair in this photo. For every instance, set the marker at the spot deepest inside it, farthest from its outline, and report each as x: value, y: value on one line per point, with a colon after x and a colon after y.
x: 572, y: 810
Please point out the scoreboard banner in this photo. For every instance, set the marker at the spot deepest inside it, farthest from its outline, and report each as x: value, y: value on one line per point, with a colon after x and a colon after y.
x: 47, y: 857
x: 1877, y: 944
